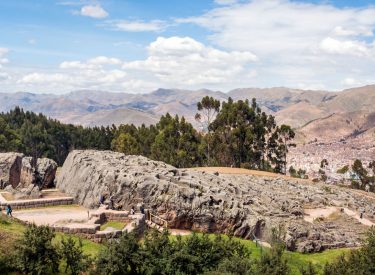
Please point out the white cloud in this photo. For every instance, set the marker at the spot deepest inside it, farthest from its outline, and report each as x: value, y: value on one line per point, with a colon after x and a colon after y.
x: 226, y: 2
x: 297, y: 35
x: 76, y: 65
x: 102, y: 60
x: 137, y: 26
x: 3, y: 60
x: 42, y: 78
x: 347, y: 47
x: 95, y: 11
x: 182, y: 61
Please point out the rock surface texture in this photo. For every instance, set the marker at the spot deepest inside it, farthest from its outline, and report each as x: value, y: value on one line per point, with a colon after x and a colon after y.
x: 243, y: 205
x: 16, y: 170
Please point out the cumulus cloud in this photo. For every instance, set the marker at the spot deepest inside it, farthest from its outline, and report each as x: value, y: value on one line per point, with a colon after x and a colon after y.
x: 102, y: 60
x: 347, y: 47
x: 3, y: 60
x: 137, y: 26
x: 297, y: 35
x: 183, y: 60
x: 95, y: 11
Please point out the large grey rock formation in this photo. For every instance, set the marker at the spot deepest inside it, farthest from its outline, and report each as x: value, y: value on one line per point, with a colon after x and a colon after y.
x: 16, y: 170
x: 243, y: 205
x: 10, y: 169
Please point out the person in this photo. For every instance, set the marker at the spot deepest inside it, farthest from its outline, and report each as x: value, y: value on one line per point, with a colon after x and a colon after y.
x: 111, y: 204
x: 101, y: 200
x: 362, y: 212
x: 9, y: 210
x: 142, y: 209
x: 132, y: 211
x: 367, y: 188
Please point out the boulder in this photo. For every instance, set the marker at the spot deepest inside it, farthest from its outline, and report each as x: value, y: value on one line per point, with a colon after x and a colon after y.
x: 46, y: 169
x: 16, y: 170
x: 10, y: 169
x: 243, y: 205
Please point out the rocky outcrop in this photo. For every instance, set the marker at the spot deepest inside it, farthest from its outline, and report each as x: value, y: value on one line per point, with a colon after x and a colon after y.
x: 16, y: 170
x: 46, y: 172
x: 243, y: 205
x: 10, y: 169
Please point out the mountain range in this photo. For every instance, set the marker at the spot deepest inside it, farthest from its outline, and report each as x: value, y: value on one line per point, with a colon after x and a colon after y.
x: 313, y: 113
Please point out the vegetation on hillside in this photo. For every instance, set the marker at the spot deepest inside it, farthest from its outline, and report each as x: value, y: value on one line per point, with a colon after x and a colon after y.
x: 234, y: 133
x: 38, y: 250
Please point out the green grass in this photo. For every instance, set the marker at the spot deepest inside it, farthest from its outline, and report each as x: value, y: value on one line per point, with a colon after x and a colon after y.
x: 296, y: 260
x: 113, y: 224
x: 11, y: 230
x: 89, y: 248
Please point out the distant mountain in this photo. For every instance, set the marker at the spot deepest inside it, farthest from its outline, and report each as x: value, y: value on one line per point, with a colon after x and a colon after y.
x: 310, y: 112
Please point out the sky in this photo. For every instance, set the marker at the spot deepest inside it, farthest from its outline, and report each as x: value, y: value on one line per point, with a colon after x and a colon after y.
x: 137, y: 46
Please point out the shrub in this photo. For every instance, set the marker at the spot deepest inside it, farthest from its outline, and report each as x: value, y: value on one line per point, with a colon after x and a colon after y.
x: 35, y: 251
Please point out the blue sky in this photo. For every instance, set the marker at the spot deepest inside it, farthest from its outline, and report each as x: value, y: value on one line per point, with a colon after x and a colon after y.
x: 140, y: 45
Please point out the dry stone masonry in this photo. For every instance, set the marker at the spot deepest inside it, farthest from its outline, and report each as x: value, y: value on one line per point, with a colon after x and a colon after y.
x: 243, y: 205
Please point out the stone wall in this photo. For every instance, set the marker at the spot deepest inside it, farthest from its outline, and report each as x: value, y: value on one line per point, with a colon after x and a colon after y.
x: 23, y: 204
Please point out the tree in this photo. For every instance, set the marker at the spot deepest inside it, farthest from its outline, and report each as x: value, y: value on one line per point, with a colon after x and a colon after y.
x: 72, y: 254
x: 286, y: 135
x: 121, y: 257
x: 208, y: 108
x: 323, y: 163
x: 35, y: 251
x: 361, y: 172
x: 127, y: 144
x: 273, y: 261
x: 359, y: 261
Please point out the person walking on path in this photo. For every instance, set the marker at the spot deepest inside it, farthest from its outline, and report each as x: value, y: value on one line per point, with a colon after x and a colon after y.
x: 9, y: 210
x: 132, y: 211
x: 362, y: 212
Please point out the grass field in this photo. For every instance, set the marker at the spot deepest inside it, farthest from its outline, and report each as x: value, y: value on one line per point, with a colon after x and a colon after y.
x: 296, y: 260
x: 11, y: 230
x: 113, y: 224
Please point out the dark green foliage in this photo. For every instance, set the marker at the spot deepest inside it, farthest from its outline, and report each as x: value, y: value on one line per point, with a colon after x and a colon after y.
x: 343, y: 169
x: 324, y: 163
x: 158, y: 254
x: 273, y: 261
x: 360, y: 261
x: 120, y: 258
x: 73, y: 257
x: 297, y: 174
x: 308, y: 270
x: 38, y: 136
x: 235, y: 133
x: 36, y: 253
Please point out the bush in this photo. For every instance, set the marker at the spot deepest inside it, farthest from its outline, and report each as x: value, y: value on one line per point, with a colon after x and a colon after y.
x: 360, y: 261
x: 35, y: 251
x: 73, y: 257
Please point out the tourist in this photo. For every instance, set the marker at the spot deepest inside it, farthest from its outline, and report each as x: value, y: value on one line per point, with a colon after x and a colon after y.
x: 132, y: 211
x: 101, y: 200
x: 111, y: 204
x: 362, y: 212
x: 367, y: 188
x: 9, y: 210
x: 142, y: 209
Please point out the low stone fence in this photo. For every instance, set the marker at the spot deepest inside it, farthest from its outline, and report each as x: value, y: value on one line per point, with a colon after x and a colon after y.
x: 93, y: 233
x: 21, y: 204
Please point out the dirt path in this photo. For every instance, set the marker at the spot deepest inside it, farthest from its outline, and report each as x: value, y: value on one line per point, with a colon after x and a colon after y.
x: 52, y: 215
x: 357, y: 217
x: 314, y: 213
